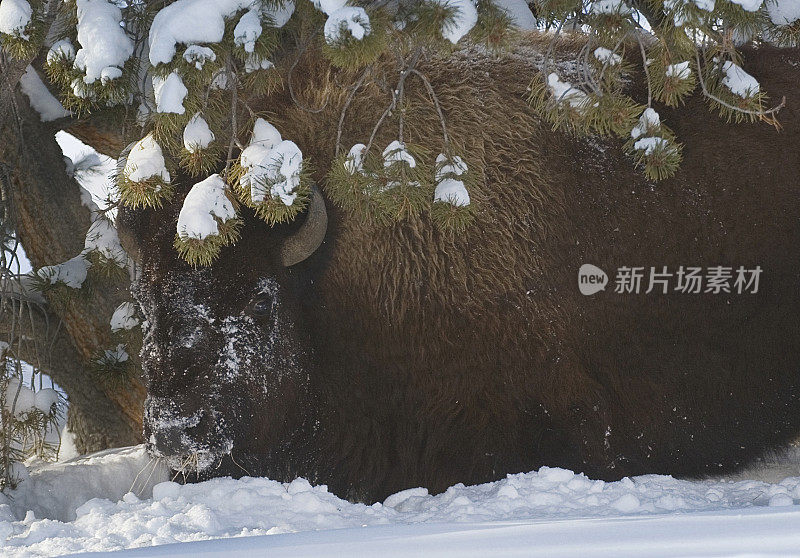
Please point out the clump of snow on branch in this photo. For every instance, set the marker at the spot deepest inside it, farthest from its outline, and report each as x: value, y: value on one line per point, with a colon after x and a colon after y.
x: 15, y: 15
x: 347, y: 21
x: 355, y: 159
x: 783, y: 12
x: 103, y: 41
x: 21, y: 399
x: 248, y: 30
x: 680, y: 70
x: 61, y: 49
x: 564, y: 92
x: 396, y: 155
x: 648, y: 121
x: 678, y: 8
x: 197, y: 135
x: 271, y: 164
x: 203, y: 21
x: 198, y: 55
x: 117, y: 354
x: 328, y: 6
x: 169, y: 93
x: 205, y: 201
x: 42, y: 101
x: 518, y: 12
x: 464, y: 19
x: 607, y: 56
x: 71, y: 273
x: 102, y: 238
x: 609, y: 7
x: 396, y: 152
x: 255, y: 62
x: 146, y: 160
x: 124, y: 317
x: 749, y: 5
x: 738, y: 81
x: 449, y: 188
x: 646, y: 130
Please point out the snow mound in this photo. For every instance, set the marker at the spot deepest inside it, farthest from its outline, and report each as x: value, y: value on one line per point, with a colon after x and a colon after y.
x: 257, y: 506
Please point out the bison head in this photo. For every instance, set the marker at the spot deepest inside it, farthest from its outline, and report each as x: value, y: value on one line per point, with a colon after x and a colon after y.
x: 224, y: 351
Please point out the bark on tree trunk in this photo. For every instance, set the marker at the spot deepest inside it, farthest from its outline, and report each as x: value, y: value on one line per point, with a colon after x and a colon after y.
x: 51, y: 224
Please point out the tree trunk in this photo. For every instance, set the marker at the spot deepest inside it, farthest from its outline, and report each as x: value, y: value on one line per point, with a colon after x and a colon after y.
x: 51, y: 224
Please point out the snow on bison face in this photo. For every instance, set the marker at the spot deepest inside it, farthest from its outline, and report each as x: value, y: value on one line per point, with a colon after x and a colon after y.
x: 215, y: 361
x: 223, y: 354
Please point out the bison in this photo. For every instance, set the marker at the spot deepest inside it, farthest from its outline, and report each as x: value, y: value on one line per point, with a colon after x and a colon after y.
x: 377, y: 358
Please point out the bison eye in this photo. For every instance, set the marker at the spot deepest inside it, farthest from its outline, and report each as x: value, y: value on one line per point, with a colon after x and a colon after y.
x: 262, y: 307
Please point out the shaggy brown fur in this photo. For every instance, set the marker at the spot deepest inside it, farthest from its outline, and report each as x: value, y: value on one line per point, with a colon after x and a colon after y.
x: 430, y: 358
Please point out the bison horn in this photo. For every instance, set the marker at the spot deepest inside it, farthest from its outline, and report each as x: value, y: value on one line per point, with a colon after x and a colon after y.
x: 307, y: 239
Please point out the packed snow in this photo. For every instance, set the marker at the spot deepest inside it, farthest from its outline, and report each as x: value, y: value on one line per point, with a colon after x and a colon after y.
x: 22, y: 399
x: 281, y: 13
x: 102, y: 238
x: 265, y: 134
x: 354, y: 162
x: 205, y: 201
x: 651, y: 144
x: 43, y: 102
x: 122, y: 499
x: 116, y: 354
x: 610, y: 7
x: 328, y: 6
x: 449, y: 188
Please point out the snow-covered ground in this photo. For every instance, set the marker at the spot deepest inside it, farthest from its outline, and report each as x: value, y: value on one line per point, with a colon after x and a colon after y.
x: 550, y: 512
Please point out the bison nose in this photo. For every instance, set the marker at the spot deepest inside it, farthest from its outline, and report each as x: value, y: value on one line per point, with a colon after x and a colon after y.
x: 173, y: 430
x: 171, y: 440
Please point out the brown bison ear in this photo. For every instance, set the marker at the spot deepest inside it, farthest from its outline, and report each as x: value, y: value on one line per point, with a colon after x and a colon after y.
x: 310, y: 235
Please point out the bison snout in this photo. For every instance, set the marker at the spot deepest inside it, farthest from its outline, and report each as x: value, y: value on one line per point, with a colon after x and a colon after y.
x: 174, y: 431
